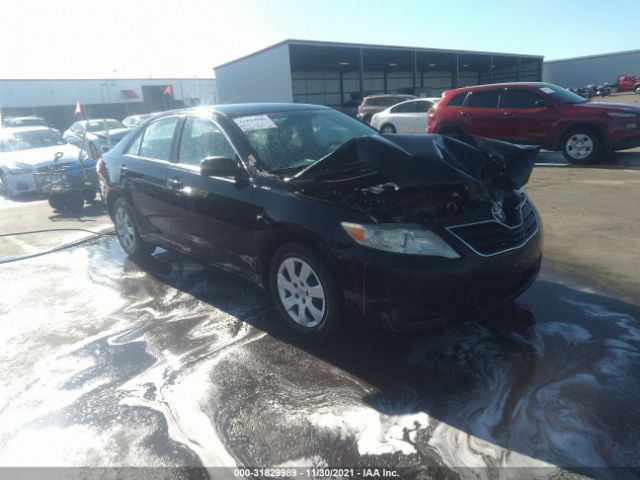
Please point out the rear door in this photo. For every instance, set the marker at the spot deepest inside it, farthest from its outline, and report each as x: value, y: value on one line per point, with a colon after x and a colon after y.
x: 402, y: 117
x: 524, y: 121
x: 480, y: 114
x: 144, y: 176
x: 213, y: 216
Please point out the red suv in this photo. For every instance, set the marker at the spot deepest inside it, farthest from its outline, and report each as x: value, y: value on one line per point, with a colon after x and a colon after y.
x: 538, y: 114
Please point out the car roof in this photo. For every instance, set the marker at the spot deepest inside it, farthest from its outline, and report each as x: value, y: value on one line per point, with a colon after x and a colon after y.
x: 491, y: 86
x: 247, y: 109
x: 26, y: 117
x: 383, y: 95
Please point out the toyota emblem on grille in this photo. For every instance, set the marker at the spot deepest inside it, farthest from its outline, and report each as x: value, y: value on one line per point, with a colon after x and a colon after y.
x: 498, y: 213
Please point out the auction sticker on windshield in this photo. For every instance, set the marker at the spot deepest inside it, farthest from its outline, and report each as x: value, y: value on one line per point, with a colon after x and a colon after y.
x: 254, y: 122
x: 547, y: 90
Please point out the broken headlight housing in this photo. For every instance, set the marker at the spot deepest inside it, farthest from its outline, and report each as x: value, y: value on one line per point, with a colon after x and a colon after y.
x: 400, y: 238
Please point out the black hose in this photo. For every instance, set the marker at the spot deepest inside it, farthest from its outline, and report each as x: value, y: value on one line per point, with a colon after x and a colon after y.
x: 64, y: 246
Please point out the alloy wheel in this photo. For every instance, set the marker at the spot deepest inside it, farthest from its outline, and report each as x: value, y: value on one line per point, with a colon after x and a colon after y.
x: 301, y: 292
x: 579, y: 146
x: 125, y: 228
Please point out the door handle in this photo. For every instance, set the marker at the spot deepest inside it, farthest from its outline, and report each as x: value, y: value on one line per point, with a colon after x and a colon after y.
x: 508, y: 114
x: 175, y: 183
x: 123, y: 170
x: 465, y: 114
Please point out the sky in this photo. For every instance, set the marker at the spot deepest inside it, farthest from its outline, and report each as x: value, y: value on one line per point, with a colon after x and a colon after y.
x: 186, y: 38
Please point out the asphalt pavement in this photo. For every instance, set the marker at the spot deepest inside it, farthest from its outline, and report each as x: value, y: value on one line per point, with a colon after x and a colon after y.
x: 110, y: 363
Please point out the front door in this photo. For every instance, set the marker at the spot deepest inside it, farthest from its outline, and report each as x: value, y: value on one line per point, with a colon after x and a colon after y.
x: 525, y: 122
x: 214, y: 216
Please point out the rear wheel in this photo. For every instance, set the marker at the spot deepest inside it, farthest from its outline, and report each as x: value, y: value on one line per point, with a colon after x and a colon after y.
x: 127, y: 231
x: 304, y: 291
x: 388, y: 128
x: 581, y: 146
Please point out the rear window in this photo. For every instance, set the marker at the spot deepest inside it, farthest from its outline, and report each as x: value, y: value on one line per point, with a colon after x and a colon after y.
x: 457, y: 101
x: 483, y: 99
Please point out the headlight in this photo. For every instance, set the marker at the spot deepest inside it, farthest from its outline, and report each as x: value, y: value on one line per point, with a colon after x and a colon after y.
x: 19, y: 171
x: 399, y: 238
x: 621, y: 114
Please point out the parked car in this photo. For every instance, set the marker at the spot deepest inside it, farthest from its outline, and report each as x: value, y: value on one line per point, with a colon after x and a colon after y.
x: 133, y: 121
x: 376, y: 103
x: 627, y: 82
x: 30, y: 121
x: 404, y: 117
x: 326, y: 214
x: 96, y: 136
x: 539, y: 114
x: 349, y: 108
x: 25, y: 151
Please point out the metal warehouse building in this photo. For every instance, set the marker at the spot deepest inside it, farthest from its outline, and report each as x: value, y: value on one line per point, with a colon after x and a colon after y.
x: 331, y: 73
x: 593, y: 69
x: 55, y: 100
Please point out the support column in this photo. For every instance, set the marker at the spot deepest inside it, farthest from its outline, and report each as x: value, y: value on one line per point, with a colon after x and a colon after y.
x: 415, y: 70
x: 518, y: 69
x: 491, y: 69
x: 361, y: 75
x: 386, y: 89
x: 341, y: 87
x: 456, y: 69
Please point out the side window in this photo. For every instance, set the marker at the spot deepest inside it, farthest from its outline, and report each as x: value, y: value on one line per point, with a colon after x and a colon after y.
x: 157, y: 139
x: 519, y: 99
x: 457, y: 101
x: 200, y: 139
x: 404, y: 108
x: 134, y: 148
x: 484, y: 99
x: 422, y: 106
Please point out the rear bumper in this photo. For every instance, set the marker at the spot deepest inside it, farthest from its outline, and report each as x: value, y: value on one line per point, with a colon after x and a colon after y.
x: 407, y: 292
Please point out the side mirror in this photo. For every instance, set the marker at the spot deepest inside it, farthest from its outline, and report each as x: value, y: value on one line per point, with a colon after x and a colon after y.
x: 219, y: 167
x: 542, y: 104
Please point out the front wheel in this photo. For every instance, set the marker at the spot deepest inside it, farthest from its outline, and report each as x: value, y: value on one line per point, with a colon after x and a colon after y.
x: 305, y: 292
x: 388, y: 128
x: 127, y: 231
x: 637, y: 90
x: 581, y: 146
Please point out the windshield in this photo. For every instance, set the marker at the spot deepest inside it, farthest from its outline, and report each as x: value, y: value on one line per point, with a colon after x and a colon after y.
x: 289, y: 141
x: 14, y: 141
x: 562, y: 94
x: 100, y: 125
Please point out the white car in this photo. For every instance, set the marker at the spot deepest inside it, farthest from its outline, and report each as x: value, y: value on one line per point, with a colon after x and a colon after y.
x: 25, y: 151
x: 405, y: 117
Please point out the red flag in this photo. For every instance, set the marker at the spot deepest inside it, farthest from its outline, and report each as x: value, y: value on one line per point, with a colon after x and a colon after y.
x: 167, y: 90
x: 78, y: 109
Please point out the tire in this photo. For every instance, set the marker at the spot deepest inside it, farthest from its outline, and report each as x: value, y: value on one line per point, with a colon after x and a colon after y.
x: 581, y: 146
x: 637, y: 90
x: 309, y: 303
x: 75, y: 201
x: 388, y: 128
x: 57, y: 202
x: 127, y: 231
x: 4, y: 187
x: 89, y: 194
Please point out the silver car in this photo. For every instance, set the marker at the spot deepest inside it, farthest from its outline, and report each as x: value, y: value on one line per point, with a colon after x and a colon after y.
x: 96, y: 136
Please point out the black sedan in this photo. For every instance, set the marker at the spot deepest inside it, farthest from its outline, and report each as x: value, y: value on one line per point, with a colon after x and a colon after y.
x: 332, y: 218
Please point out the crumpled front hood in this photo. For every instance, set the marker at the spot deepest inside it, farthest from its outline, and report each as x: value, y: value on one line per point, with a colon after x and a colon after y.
x: 35, y: 157
x: 419, y: 160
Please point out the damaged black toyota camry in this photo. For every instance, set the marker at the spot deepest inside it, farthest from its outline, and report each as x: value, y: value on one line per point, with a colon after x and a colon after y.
x: 334, y: 219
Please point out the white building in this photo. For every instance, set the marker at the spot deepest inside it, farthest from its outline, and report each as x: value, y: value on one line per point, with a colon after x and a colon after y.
x: 331, y: 73
x: 591, y: 70
x: 55, y: 100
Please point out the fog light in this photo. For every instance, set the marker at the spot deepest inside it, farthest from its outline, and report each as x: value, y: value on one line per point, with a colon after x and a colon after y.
x: 631, y: 126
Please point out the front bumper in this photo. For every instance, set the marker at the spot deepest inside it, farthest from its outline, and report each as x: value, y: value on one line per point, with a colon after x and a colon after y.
x: 21, y: 183
x: 410, y: 292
